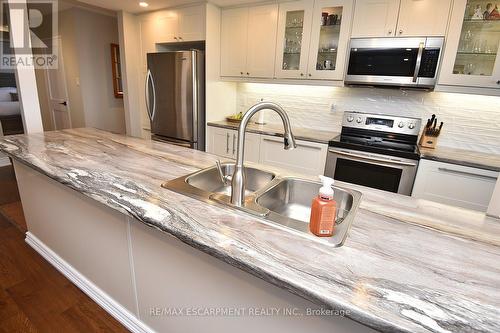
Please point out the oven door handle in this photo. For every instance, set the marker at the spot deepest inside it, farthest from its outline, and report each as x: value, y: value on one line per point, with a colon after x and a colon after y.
x: 372, y: 158
x: 419, y: 61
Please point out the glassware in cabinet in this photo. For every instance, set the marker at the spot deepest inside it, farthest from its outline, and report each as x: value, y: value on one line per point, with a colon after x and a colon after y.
x: 329, y: 39
x: 294, y: 31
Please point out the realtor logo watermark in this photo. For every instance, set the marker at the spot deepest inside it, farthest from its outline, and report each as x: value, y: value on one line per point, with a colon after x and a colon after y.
x: 29, y: 34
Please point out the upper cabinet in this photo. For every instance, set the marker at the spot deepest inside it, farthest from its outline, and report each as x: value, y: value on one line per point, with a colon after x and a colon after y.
x: 375, y: 18
x: 471, y: 55
x: 329, y: 39
x: 248, y: 41
x: 312, y: 39
x: 400, y: 18
x: 294, y: 33
x: 191, y: 24
x: 167, y: 26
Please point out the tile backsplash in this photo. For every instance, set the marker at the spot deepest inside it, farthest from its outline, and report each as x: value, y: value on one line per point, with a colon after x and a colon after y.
x: 470, y: 121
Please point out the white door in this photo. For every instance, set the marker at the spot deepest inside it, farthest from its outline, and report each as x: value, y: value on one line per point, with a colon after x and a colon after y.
x: 294, y: 34
x: 57, y: 93
x: 473, y: 44
x: 234, y: 34
x: 375, y: 18
x: 261, y: 42
x: 423, y: 18
x: 191, y: 23
x: 329, y: 39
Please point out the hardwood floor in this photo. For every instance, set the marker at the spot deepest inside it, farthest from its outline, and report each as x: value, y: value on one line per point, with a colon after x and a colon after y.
x: 34, y: 296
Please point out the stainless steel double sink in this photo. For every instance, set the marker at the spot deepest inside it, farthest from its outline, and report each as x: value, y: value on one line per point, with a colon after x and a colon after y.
x: 279, y: 200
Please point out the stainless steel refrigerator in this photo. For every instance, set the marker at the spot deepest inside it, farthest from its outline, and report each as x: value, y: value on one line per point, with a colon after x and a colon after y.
x: 175, y: 97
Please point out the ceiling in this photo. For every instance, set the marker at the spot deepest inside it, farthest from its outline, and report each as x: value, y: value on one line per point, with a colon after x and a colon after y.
x: 132, y: 6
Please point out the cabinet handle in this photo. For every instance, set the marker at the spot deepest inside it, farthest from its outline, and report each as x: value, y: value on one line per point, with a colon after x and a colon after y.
x: 234, y: 144
x: 310, y: 74
x: 227, y: 143
x: 498, y: 82
x: 390, y: 32
x: 175, y: 38
x: 400, y: 31
x: 248, y: 73
x: 180, y: 38
x: 466, y: 173
x: 301, y: 74
x: 241, y: 73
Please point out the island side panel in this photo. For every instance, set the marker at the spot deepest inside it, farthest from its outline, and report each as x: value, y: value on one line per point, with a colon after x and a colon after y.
x: 92, y: 238
x: 178, y: 285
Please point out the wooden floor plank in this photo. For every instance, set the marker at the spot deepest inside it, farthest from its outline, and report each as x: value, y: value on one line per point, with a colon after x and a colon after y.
x: 35, y: 297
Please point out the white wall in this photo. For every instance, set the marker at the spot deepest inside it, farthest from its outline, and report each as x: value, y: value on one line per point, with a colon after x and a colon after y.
x: 129, y: 35
x: 85, y: 42
x: 471, y: 121
x: 94, y: 34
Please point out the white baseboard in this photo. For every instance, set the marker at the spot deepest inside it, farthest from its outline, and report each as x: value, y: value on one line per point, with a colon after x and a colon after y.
x: 125, y: 317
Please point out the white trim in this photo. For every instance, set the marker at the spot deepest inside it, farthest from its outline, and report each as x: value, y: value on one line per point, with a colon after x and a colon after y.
x: 125, y: 317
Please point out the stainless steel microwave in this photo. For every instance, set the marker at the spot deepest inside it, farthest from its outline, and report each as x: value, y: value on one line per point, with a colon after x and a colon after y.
x: 407, y: 62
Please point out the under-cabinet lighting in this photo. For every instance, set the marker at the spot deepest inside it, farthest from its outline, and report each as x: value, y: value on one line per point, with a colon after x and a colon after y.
x: 143, y: 4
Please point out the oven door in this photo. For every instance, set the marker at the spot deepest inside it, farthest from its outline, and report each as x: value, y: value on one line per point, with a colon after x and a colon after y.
x: 394, y: 61
x: 382, y: 172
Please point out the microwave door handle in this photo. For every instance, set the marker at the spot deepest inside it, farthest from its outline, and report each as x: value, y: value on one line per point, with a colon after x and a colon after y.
x: 419, y: 61
x: 372, y: 158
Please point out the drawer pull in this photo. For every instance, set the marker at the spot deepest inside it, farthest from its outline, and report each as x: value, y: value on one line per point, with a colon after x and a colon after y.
x: 466, y: 173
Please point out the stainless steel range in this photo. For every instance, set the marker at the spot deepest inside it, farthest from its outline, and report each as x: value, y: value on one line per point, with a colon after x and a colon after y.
x: 377, y: 151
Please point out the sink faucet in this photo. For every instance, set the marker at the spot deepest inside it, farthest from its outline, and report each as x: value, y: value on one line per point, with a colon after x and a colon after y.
x: 238, y: 179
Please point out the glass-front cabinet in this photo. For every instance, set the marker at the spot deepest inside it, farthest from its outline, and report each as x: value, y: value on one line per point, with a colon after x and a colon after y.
x: 471, y: 56
x: 294, y: 32
x: 313, y: 39
x: 329, y: 39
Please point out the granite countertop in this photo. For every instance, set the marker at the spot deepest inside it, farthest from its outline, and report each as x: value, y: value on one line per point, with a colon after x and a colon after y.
x: 300, y: 133
x: 462, y: 157
x: 397, y: 272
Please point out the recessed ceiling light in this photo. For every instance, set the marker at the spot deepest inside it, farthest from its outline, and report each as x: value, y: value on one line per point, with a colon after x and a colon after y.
x: 143, y: 4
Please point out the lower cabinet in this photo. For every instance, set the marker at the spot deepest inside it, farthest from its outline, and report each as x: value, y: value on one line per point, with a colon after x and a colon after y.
x: 455, y: 185
x: 308, y: 158
x: 224, y: 142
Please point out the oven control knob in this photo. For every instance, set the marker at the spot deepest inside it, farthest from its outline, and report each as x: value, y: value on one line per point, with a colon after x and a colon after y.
x: 401, y: 124
x: 350, y: 119
x: 411, y: 126
x: 359, y: 120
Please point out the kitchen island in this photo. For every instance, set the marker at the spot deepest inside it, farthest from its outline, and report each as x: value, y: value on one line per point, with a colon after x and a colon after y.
x: 95, y: 209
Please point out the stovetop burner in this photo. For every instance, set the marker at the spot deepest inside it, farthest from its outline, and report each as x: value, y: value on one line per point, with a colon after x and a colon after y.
x: 386, y: 135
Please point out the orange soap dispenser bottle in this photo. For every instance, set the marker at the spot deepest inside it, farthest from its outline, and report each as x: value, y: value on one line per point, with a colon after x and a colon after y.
x: 323, y: 210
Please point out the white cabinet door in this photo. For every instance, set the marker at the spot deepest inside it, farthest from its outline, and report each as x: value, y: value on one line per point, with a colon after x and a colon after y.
x: 165, y: 27
x: 375, y: 18
x: 454, y: 184
x: 234, y: 34
x: 261, y: 42
x: 423, y: 17
x: 472, y: 47
x: 327, y: 53
x: 308, y: 158
x: 252, y: 147
x: 294, y: 33
x: 224, y: 142
x: 220, y: 141
x: 191, y: 25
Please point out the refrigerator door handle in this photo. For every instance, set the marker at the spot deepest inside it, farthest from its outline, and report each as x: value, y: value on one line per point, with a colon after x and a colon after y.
x: 151, y: 113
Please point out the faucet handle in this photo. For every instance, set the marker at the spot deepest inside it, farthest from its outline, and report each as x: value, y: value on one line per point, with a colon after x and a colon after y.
x: 226, y: 180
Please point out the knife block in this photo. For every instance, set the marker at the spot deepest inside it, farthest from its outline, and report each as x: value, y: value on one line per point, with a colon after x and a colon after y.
x: 428, y: 141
